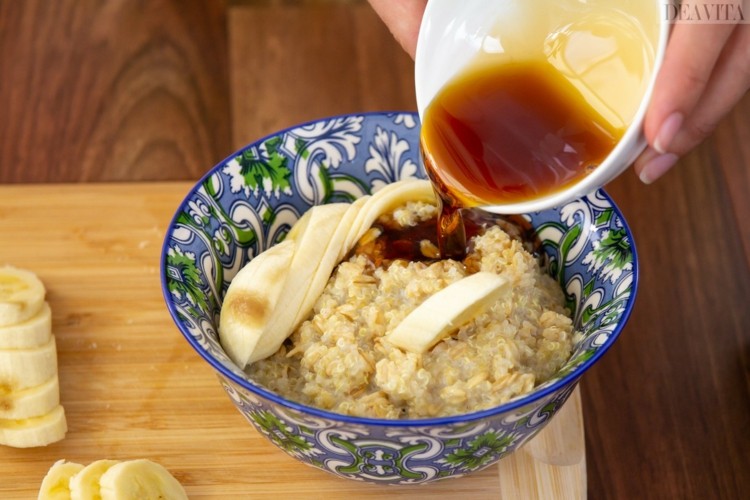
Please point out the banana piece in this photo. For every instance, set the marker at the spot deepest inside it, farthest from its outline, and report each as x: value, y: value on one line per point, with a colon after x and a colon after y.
x: 139, y: 479
x: 323, y: 236
x: 31, y: 402
x: 447, y: 310
x: 21, y: 295
x: 85, y: 484
x: 315, y: 283
x: 36, y: 431
x: 33, y: 332
x: 55, y: 485
x: 249, y: 301
x: 310, y: 252
x: 24, y: 368
x: 261, y: 303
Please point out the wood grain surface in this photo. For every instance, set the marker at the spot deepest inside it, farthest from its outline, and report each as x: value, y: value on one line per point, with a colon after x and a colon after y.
x: 164, y: 89
x: 295, y: 62
x: 132, y: 387
x: 112, y: 90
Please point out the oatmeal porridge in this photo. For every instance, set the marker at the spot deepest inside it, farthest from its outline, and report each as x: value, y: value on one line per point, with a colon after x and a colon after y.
x: 339, y: 359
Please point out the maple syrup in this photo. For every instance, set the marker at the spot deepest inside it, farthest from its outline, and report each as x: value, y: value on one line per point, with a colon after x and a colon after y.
x: 510, y: 134
x: 395, y: 242
x: 502, y: 135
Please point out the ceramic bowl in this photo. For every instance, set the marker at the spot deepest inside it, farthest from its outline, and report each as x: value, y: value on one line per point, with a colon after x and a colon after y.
x: 453, y: 34
x: 248, y: 202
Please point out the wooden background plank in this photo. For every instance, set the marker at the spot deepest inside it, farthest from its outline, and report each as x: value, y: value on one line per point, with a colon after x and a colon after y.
x: 291, y: 63
x: 731, y: 155
x: 670, y: 402
x: 94, y: 91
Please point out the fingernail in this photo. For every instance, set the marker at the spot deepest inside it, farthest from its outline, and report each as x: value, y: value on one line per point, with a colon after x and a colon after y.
x: 656, y: 167
x: 648, y: 155
x: 668, y: 130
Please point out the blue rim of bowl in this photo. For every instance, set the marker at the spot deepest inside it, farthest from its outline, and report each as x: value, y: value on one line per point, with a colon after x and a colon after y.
x: 571, y: 378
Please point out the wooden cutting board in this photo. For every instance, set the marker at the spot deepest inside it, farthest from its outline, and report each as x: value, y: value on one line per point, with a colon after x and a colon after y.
x: 133, y: 388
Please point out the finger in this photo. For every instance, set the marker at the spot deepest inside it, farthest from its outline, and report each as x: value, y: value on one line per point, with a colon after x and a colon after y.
x: 691, y: 54
x: 651, y: 164
x: 403, y: 19
x: 728, y: 83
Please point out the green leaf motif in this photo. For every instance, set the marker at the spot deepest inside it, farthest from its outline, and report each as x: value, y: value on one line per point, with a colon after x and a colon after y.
x: 604, y: 217
x: 568, y: 240
x: 185, y: 280
x: 611, y: 255
x: 280, y: 433
x: 267, y: 171
x: 300, y: 146
x: 268, y: 216
x: 481, y: 450
x: 574, y: 362
x: 326, y: 182
x: 522, y: 422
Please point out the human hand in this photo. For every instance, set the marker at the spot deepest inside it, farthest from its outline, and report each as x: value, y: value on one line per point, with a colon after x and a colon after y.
x: 705, y: 72
x: 403, y: 19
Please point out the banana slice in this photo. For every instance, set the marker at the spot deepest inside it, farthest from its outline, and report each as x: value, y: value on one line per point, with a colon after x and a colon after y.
x: 85, y: 484
x: 37, y: 431
x: 139, y: 479
x: 55, y: 485
x: 447, y: 310
x: 24, y: 368
x: 21, y: 295
x: 31, y: 402
x: 32, y: 332
x: 323, y: 237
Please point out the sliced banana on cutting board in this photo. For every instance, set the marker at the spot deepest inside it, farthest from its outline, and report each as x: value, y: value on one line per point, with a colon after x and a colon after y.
x: 85, y: 484
x: 24, y: 368
x: 139, y: 479
x: 34, y: 431
x: 31, y: 402
x: 263, y: 307
x: 30, y: 411
x: 56, y: 483
x: 32, y: 332
x: 447, y: 310
x: 21, y: 295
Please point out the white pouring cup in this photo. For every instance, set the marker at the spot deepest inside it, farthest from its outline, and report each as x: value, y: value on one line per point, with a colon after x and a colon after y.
x: 454, y: 33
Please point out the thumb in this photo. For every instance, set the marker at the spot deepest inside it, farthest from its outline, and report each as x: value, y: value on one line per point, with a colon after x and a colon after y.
x: 403, y: 19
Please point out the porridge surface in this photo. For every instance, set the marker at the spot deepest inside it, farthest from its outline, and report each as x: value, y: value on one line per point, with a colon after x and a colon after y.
x: 337, y: 360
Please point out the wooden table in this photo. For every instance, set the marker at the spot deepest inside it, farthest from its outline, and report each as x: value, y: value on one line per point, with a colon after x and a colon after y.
x: 161, y: 90
x: 132, y: 387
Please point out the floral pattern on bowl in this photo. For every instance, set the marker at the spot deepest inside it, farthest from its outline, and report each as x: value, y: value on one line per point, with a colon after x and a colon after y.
x: 249, y: 202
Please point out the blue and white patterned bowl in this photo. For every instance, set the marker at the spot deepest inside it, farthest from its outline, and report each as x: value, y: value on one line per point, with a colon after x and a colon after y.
x: 249, y: 201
